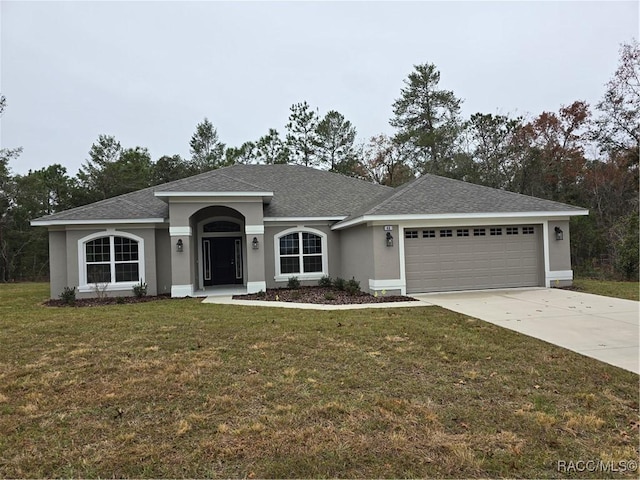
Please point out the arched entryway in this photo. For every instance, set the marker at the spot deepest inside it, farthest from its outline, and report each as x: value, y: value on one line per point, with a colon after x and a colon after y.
x: 217, y: 239
x: 221, y: 244
x: 221, y: 252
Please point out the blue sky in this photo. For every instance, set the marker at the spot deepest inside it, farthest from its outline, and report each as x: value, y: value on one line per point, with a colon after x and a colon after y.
x: 148, y: 72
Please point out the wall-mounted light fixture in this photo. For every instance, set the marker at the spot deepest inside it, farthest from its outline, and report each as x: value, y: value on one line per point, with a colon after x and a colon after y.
x: 255, y: 244
x: 389, y: 239
x: 179, y: 245
x: 559, y: 234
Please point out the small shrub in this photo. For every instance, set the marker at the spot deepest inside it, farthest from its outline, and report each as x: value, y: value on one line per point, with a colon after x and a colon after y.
x: 120, y: 300
x: 325, y: 281
x: 68, y: 296
x: 261, y: 294
x: 352, y: 287
x: 100, y: 289
x: 339, y: 283
x: 140, y: 290
x: 329, y: 296
x: 293, y: 283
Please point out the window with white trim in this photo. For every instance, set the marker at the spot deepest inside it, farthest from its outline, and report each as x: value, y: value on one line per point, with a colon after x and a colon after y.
x: 446, y: 233
x: 527, y: 230
x: 301, y: 253
x: 428, y: 234
x: 411, y: 234
x: 114, y: 259
x: 463, y: 232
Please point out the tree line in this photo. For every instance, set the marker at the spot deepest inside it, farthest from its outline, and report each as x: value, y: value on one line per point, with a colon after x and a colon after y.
x: 582, y: 155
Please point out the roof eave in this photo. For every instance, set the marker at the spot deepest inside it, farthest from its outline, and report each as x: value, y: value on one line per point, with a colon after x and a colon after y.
x: 451, y: 216
x: 266, y: 196
x: 305, y: 219
x: 115, y: 221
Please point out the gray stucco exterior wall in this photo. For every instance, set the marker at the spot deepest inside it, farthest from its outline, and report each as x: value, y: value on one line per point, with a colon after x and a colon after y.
x: 255, y: 258
x: 366, y: 256
x: 182, y: 262
x: 163, y: 260
x: 57, y: 262
x: 269, y: 261
x: 560, y: 273
x: 387, y: 259
x: 559, y: 250
x: 357, y: 255
x: 181, y: 213
x: 151, y: 276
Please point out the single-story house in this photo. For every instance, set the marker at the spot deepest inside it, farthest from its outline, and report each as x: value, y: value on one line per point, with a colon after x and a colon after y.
x: 252, y: 227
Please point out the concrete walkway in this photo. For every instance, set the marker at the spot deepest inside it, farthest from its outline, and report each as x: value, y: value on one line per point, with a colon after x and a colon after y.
x: 604, y: 328
x: 227, y: 300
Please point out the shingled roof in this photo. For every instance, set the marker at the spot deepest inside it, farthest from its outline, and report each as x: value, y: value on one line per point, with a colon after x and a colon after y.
x: 299, y: 191
x: 136, y: 206
x: 431, y: 195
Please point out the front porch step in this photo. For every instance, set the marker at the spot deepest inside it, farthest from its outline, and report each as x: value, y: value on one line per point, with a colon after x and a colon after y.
x: 221, y: 291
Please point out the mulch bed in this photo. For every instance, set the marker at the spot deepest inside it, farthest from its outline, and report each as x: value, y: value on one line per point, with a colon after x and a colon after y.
x: 97, y: 302
x: 320, y: 295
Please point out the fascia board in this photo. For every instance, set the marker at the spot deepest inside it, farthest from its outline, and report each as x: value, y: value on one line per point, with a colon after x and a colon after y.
x: 456, y: 216
x: 304, y: 219
x: 114, y: 221
x: 213, y: 194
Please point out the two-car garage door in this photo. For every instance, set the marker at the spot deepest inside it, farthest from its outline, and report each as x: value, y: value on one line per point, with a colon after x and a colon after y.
x: 468, y: 258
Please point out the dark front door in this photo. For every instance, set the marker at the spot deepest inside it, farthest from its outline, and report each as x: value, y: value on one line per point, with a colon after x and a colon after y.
x: 222, y: 260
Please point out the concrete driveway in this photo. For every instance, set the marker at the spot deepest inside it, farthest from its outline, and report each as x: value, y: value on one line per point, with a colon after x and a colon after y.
x: 600, y: 327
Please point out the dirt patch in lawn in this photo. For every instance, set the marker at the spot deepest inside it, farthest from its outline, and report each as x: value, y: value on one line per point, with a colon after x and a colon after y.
x: 323, y: 295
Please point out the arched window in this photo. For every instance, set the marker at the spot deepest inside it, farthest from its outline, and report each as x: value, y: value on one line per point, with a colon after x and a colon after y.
x: 116, y: 259
x: 301, y: 253
x: 218, y: 226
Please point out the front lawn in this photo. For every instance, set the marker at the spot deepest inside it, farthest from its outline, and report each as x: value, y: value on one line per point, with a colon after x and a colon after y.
x: 627, y: 290
x: 177, y: 388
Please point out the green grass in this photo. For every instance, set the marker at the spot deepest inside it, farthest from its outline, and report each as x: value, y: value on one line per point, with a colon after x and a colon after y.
x: 627, y: 290
x: 178, y: 389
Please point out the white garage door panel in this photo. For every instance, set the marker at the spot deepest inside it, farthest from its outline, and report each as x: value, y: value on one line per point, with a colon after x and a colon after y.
x: 474, y: 262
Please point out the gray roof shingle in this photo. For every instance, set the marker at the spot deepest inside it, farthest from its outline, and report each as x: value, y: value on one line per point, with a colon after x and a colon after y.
x: 306, y: 192
x: 138, y: 205
x: 433, y: 195
x: 208, y: 182
x: 298, y: 192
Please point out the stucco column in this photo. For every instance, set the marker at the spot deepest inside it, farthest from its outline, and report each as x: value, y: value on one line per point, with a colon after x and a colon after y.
x: 558, y: 272
x: 388, y: 260
x: 181, y: 263
x: 255, y: 258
